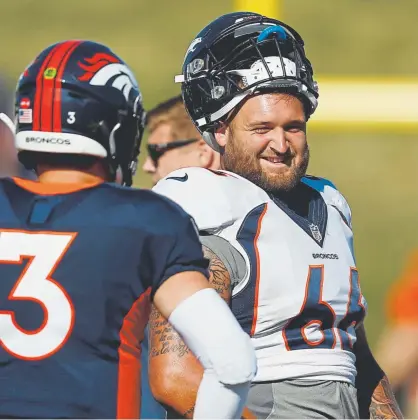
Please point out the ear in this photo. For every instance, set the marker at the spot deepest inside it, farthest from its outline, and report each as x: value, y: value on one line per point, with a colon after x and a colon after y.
x: 206, y: 155
x: 221, y: 134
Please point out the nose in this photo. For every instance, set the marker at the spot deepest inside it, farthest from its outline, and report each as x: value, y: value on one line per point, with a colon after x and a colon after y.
x: 149, y: 166
x: 279, y: 142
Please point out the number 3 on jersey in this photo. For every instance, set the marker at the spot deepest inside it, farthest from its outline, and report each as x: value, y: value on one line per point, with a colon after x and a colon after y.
x: 318, y: 315
x: 44, y: 252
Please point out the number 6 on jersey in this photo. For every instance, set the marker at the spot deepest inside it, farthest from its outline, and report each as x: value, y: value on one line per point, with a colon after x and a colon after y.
x: 43, y: 252
x: 320, y: 316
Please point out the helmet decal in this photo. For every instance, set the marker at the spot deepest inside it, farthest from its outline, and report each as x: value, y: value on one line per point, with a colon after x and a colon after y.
x: 104, y: 69
x: 95, y: 63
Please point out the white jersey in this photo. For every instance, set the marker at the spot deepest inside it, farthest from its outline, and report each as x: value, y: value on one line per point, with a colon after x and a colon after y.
x: 300, y: 298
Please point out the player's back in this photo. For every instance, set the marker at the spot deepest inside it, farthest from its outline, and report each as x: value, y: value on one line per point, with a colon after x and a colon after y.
x: 76, y: 271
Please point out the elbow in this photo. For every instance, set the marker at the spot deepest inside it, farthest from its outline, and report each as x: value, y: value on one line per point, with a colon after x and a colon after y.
x: 163, y: 384
x: 170, y: 382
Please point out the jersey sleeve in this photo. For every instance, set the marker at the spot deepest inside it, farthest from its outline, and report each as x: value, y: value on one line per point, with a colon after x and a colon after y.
x: 232, y: 259
x: 341, y: 205
x: 175, y: 251
x: 202, y: 194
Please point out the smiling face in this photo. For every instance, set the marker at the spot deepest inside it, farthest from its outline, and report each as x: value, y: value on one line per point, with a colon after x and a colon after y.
x: 266, y: 142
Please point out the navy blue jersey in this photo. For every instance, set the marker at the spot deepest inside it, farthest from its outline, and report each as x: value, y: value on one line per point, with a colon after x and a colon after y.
x: 78, y: 270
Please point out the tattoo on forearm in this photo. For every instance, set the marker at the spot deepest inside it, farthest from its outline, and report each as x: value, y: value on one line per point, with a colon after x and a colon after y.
x: 164, y: 339
x: 383, y: 404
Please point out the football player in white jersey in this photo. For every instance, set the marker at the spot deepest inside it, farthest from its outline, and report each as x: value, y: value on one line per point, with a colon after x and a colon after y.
x: 280, y: 242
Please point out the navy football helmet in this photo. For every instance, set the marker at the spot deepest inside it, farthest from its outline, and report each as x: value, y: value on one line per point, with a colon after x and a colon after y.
x: 237, y: 55
x: 79, y: 98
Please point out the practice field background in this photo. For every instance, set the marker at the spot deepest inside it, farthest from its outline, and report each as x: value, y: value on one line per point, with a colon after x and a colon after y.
x: 375, y: 167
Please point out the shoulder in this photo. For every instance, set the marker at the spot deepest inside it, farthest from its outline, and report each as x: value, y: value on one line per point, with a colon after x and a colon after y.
x: 331, y: 194
x: 319, y: 184
x: 144, y: 208
x: 138, y: 197
x: 202, y: 193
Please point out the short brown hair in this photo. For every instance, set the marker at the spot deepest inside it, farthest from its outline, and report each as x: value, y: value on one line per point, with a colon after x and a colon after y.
x: 172, y: 112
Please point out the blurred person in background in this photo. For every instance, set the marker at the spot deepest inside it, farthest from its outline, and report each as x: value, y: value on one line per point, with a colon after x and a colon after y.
x: 174, y: 142
x: 280, y: 242
x: 397, y: 350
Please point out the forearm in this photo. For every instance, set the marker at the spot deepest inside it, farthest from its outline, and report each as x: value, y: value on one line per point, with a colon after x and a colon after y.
x: 182, y: 398
x: 229, y: 368
x: 175, y: 374
x: 383, y: 404
x: 177, y: 388
x: 375, y: 396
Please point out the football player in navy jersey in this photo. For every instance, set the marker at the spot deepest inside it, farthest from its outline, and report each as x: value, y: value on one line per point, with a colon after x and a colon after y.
x: 280, y: 242
x: 82, y: 258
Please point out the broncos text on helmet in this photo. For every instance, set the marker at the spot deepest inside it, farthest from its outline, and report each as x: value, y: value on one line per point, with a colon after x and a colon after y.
x: 79, y: 98
x: 237, y: 55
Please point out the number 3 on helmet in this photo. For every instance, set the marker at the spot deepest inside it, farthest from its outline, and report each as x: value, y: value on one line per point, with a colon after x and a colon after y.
x: 79, y: 98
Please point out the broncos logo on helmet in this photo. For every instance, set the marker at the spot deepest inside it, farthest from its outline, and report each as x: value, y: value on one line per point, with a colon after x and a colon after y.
x: 104, y: 69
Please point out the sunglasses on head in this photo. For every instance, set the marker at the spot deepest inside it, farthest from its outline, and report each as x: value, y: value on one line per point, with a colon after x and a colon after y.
x: 155, y: 151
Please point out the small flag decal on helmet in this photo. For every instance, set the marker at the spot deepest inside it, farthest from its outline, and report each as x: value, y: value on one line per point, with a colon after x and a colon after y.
x: 25, y: 116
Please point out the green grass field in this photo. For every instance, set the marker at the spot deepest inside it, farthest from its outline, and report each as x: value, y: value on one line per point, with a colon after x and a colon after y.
x: 376, y: 172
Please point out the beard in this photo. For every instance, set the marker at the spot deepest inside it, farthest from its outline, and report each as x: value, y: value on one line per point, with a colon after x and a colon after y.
x: 238, y: 160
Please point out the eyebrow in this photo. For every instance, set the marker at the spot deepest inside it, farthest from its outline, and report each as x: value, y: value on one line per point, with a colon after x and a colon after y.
x: 296, y: 122
x: 257, y: 124
x: 261, y: 123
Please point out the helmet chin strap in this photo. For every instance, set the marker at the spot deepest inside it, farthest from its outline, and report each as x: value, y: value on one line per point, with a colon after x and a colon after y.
x: 115, y: 169
x: 210, y: 139
x: 112, y: 142
x: 121, y: 176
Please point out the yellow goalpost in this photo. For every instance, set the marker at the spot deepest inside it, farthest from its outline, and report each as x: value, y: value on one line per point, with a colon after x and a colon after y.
x: 271, y: 8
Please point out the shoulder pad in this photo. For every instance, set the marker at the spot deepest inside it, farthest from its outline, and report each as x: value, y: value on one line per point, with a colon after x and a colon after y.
x: 331, y: 195
x: 201, y: 193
